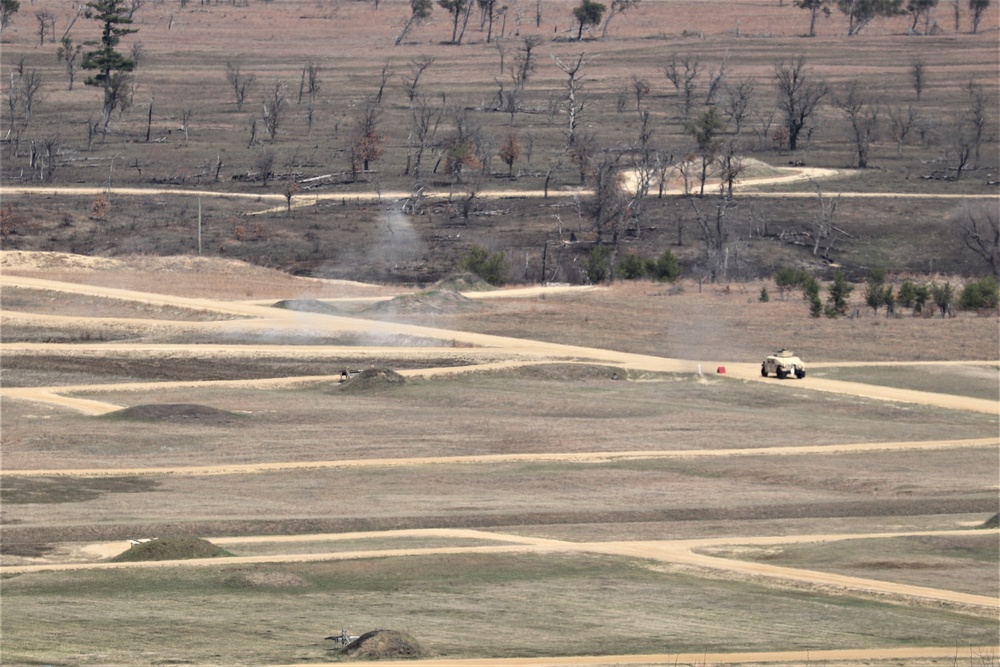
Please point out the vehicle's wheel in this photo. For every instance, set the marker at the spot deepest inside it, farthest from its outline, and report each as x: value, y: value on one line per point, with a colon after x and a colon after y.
x: 781, y: 374
x: 800, y: 373
x: 763, y: 370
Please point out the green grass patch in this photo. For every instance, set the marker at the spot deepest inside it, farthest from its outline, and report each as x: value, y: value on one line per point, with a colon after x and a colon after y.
x: 960, y: 380
x: 455, y: 606
x: 50, y: 490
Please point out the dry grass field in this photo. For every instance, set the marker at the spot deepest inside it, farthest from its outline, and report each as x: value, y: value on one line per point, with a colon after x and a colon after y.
x: 501, y: 514
x: 561, y: 476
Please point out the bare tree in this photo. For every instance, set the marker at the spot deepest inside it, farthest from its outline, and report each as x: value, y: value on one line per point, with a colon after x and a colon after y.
x: 738, y: 103
x: 823, y: 227
x: 863, y: 113
x: 47, y: 163
x: 715, y: 81
x: 241, y: 83
x: 309, y: 83
x: 978, y: 224
x: 384, y: 77
x: 14, y: 96
x: 731, y: 165
x: 644, y: 167
x: 715, y: 233
x: 133, y: 7
x: 68, y: 53
x: 524, y: 63
x: 798, y: 96
x: 264, y: 165
x: 510, y: 99
x: 46, y: 26
x: 901, y: 123
x: 611, y: 201
x: 640, y: 88
x: 417, y: 69
x: 918, y: 75
x: 273, y: 107
x: 979, y: 117
x: 762, y: 128
x: 186, y: 116
x: 574, y: 104
x: 138, y: 53
x: 31, y: 84
x: 682, y: 71
x: 962, y: 145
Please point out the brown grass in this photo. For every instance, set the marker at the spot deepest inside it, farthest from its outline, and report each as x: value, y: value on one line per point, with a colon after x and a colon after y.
x: 184, y: 69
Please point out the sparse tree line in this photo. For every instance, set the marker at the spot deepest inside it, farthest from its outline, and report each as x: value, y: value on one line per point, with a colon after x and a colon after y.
x: 860, y: 13
x: 447, y: 143
x: 921, y: 298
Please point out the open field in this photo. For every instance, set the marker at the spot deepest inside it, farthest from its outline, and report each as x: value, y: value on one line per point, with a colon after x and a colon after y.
x: 551, y: 475
x: 602, y: 500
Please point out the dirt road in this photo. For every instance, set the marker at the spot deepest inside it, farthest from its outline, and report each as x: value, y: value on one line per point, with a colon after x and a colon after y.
x: 786, y: 175
x: 274, y: 319
x: 674, y: 552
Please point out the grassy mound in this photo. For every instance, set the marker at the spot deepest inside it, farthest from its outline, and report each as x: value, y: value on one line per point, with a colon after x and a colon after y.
x: 992, y: 522
x: 431, y: 301
x: 173, y: 412
x: 308, y: 306
x: 371, y: 379
x: 254, y: 578
x: 463, y: 282
x: 384, y: 645
x: 171, y: 548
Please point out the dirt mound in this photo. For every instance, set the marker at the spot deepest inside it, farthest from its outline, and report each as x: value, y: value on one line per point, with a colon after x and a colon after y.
x: 384, y: 645
x: 171, y: 548
x: 372, y: 378
x: 430, y: 301
x: 248, y: 578
x: 174, y: 413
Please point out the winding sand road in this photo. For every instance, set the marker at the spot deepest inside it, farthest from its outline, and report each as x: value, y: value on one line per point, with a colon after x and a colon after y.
x: 272, y: 319
x: 495, y: 352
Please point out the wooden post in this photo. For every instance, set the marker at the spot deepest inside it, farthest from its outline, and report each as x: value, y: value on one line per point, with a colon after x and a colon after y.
x: 199, y: 226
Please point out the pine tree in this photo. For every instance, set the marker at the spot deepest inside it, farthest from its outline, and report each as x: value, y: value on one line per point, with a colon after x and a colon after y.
x: 112, y: 67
